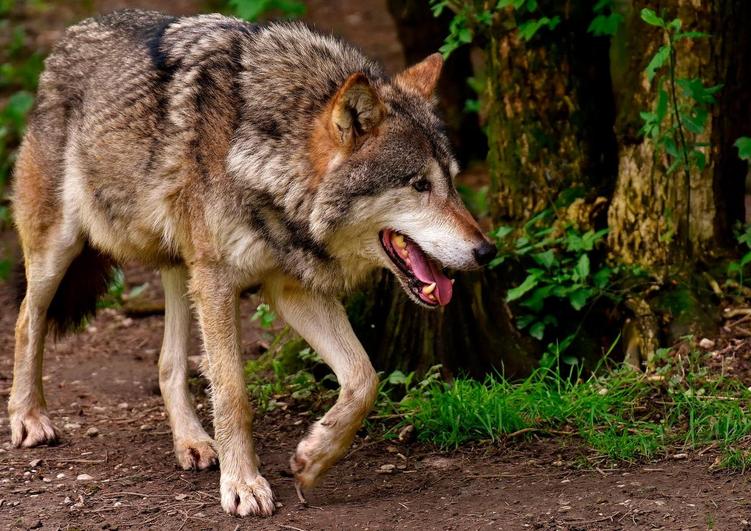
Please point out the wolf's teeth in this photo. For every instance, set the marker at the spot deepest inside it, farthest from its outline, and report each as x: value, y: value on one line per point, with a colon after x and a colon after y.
x: 452, y: 281
x: 398, y: 240
x: 427, y: 290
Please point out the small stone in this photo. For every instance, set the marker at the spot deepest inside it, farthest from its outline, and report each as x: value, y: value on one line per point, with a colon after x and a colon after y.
x: 67, y: 500
x: 35, y: 463
x: 564, y: 508
x: 60, y: 476
x: 146, y: 427
x: 706, y: 344
x: 71, y: 426
x: 117, y: 504
x: 680, y: 456
x: 84, y: 477
x: 387, y: 468
x: 47, y: 480
x: 92, y: 432
x: 123, y: 405
x: 181, y: 497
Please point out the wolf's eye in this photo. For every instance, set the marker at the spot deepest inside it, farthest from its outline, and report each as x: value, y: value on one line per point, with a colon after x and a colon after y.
x: 423, y: 185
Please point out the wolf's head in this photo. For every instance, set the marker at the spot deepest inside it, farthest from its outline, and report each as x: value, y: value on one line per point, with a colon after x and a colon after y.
x: 384, y: 175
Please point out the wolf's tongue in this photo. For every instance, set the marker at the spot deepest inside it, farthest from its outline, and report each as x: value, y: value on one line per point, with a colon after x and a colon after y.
x: 428, y: 272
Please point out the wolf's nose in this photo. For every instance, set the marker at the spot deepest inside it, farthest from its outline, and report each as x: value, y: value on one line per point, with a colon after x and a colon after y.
x: 484, y: 253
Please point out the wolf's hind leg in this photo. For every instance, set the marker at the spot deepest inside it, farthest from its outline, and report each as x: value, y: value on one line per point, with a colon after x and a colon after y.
x: 193, y: 447
x: 322, y: 321
x: 45, y: 268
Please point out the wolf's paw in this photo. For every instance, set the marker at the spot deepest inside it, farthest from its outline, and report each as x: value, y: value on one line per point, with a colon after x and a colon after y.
x: 242, y: 497
x: 32, y: 428
x: 196, y: 454
x: 314, y: 456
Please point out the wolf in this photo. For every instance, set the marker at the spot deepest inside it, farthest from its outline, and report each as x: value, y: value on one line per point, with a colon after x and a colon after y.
x: 231, y: 155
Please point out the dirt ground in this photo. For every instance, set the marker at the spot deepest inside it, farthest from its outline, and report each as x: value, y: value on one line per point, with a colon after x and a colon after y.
x: 114, y: 468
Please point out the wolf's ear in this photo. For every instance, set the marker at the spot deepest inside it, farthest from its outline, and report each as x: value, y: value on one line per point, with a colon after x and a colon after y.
x: 356, y: 111
x: 422, y: 77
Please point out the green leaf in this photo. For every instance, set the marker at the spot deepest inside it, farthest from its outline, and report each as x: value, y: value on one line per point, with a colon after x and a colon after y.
x: 517, y: 292
x: 545, y: 259
x: 602, y: 277
x: 538, y: 330
x: 605, y: 25
x: 696, y: 121
x: 699, y: 159
x: 523, y: 321
x: 657, y: 62
x: 579, y: 298
x: 529, y: 28
x: 397, y: 378
x: 582, y: 267
x: 651, y: 18
x: 253, y: 9
x: 744, y: 147
x: 536, y: 300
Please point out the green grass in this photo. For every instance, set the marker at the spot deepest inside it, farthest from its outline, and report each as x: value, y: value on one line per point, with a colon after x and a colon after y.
x: 623, y: 414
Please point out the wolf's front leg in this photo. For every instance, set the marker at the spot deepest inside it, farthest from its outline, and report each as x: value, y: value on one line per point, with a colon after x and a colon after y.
x: 322, y: 321
x: 243, y: 490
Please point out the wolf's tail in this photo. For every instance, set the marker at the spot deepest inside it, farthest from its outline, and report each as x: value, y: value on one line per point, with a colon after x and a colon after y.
x: 87, y: 279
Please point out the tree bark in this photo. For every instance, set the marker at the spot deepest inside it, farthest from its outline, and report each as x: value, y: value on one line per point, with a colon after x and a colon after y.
x: 551, y: 112
x: 654, y: 218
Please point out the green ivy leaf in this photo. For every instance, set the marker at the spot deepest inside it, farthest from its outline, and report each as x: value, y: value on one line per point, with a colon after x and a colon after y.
x: 582, y: 267
x: 545, y: 259
x: 657, y: 62
x: 605, y: 25
x: 651, y: 18
x: 579, y: 298
x: 744, y: 147
x: 537, y: 330
x: 517, y: 292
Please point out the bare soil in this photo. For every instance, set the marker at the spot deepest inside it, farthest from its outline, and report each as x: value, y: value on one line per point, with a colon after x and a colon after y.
x: 125, y: 476
x: 105, y: 378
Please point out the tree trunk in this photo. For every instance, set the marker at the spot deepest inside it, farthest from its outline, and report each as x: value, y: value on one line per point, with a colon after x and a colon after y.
x: 654, y: 218
x: 672, y: 222
x: 551, y: 112
x: 548, y: 131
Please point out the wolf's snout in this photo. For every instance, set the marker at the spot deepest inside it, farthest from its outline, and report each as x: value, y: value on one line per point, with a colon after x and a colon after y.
x: 484, y: 253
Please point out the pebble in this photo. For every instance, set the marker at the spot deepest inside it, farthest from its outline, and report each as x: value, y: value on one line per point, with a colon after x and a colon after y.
x: 146, y: 427
x: 181, y: 497
x: 84, y: 477
x: 92, y: 432
x: 60, y: 476
x: 123, y: 405
x: 71, y: 426
x: 386, y: 469
x: 35, y: 463
x: 706, y: 344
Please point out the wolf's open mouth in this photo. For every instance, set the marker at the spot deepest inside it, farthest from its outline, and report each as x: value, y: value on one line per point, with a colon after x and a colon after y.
x: 423, y: 274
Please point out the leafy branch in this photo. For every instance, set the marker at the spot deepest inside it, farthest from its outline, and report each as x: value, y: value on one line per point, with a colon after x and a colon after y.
x: 678, y: 120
